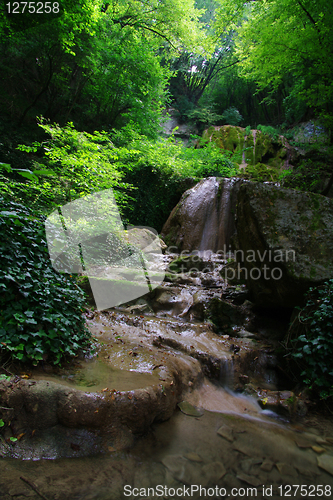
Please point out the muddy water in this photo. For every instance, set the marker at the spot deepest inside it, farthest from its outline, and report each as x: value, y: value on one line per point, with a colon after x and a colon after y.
x: 232, y: 449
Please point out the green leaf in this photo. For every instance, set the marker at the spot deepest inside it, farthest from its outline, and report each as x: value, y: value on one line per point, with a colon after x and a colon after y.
x: 26, y: 173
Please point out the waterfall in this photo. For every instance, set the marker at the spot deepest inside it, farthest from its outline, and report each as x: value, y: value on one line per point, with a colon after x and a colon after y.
x: 204, y: 219
x: 227, y: 373
x: 254, y: 132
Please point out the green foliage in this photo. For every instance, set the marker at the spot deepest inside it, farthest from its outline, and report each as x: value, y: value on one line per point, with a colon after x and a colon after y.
x: 98, y: 64
x: 313, y: 345
x: 207, y: 161
x: 148, y: 177
x: 232, y: 116
x: 260, y: 173
x: 69, y: 165
x: 161, y: 171
x: 280, y: 38
x: 311, y: 173
x: 203, y: 116
x: 41, y: 309
x: 271, y: 131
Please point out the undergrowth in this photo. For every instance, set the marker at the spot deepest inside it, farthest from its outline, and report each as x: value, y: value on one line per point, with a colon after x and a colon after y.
x: 41, y: 309
x: 310, y: 341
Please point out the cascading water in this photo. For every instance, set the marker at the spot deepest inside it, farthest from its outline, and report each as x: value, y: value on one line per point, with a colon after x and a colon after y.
x: 226, y: 442
x: 204, y: 218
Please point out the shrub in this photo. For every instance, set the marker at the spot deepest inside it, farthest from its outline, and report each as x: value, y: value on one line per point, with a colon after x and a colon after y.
x: 312, y: 340
x: 260, y: 173
x: 268, y: 130
x: 232, y: 116
x: 41, y: 309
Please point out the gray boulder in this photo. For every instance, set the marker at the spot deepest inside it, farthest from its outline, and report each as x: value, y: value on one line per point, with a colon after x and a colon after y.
x: 285, y: 242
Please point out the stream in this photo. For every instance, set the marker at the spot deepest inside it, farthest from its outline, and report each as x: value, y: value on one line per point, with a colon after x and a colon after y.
x: 218, y: 443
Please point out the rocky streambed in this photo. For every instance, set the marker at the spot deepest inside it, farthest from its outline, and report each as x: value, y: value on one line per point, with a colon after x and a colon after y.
x: 185, y: 388
x: 157, y: 407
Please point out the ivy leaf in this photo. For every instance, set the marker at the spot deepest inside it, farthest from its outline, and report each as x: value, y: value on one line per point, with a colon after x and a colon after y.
x: 26, y: 173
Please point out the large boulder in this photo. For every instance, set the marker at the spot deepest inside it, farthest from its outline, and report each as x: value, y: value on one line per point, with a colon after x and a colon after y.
x: 285, y: 242
x: 204, y: 217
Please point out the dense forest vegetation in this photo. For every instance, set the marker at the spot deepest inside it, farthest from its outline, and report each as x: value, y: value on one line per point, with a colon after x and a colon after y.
x: 85, y: 89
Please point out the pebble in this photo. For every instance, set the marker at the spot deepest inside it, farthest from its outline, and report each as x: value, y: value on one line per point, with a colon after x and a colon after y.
x: 286, y: 469
x: 226, y: 433
x: 214, y: 471
x: 253, y: 481
x: 318, y: 449
x: 194, y: 457
x: 267, y: 466
x: 321, y: 441
x: 326, y: 462
x: 248, y: 464
x: 303, y: 443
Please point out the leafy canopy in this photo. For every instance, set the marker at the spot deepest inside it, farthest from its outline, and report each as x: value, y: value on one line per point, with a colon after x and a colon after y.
x: 290, y: 36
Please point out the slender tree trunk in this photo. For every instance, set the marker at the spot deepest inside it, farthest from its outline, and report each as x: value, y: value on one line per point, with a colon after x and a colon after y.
x: 44, y: 89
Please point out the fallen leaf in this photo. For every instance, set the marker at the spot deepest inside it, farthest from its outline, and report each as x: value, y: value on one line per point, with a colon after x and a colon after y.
x: 20, y: 436
x: 318, y: 449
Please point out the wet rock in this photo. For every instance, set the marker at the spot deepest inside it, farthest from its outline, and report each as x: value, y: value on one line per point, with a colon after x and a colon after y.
x: 172, y: 300
x: 225, y: 314
x: 226, y: 433
x: 183, y: 470
x: 243, y: 447
x: 204, y: 217
x: 286, y: 469
x: 267, y: 466
x: 309, y: 472
x: 249, y: 464
x: 326, y: 462
x: 303, y: 442
x: 230, y: 481
x: 189, y: 409
x: 200, y: 302
x: 253, y: 481
x: 320, y: 440
x: 194, y: 457
x: 46, y: 404
x: 277, y: 400
x: 235, y: 294
x: 174, y: 463
x: 190, y: 263
x: 289, y: 232
x: 318, y: 449
x: 213, y: 472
